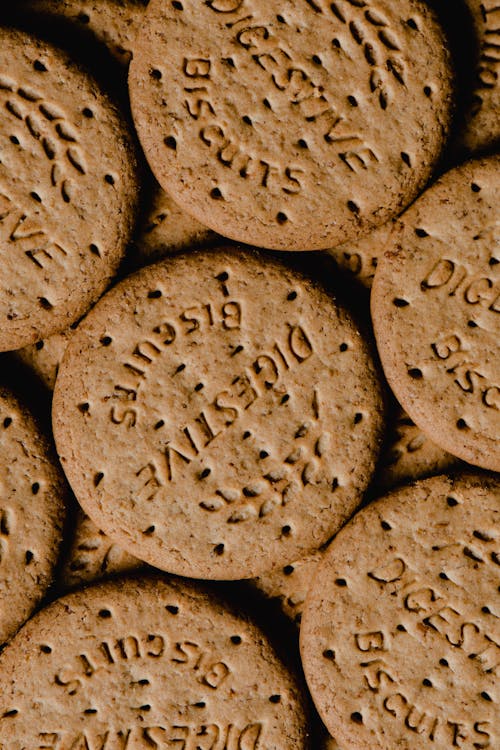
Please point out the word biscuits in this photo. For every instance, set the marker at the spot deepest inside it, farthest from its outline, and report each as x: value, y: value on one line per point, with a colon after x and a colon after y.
x: 146, y: 663
x: 257, y: 118
x: 399, y: 638
x: 218, y: 414
x: 436, y: 312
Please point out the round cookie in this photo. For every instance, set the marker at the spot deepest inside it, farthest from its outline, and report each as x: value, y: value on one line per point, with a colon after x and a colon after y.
x: 45, y: 356
x: 149, y: 663
x: 218, y: 414
x: 410, y: 455
x: 289, y: 585
x: 32, y: 509
x: 114, y: 23
x: 481, y: 129
x: 167, y: 229
x: 68, y: 190
x: 255, y: 118
x: 399, y: 636
x: 435, y: 307
x: 360, y: 257
x: 93, y: 556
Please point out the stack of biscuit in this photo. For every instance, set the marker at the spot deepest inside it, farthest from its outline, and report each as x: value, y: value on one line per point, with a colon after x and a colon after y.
x: 250, y: 394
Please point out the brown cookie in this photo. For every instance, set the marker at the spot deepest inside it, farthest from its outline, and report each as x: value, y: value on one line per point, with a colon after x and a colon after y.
x: 113, y: 22
x: 481, y: 129
x: 436, y: 312
x: 360, y: 257
x: 289, y: 585
x: 167, y: 229
x: 146, y: 663
x: 256, y: 118
x: 410, y: 455
x: 32, y: 508
x: 92, y: 556
x: 68, y: 190
x: 399, y: 636
x: 218, y: 414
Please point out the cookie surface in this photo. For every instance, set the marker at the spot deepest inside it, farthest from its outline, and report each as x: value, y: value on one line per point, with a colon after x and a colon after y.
x: 410, y: 454
x: 166, y: 229
x: 151, y: 663
x: 360, y: 257
x: 436, y: 312
x: 32, y: 510
x: 219, y: 427
x: 113, y: 22
x: 481, y: 129
x: 68, y: 190
x: 92, y: 556
x: 256, y: 119
x: 399, y: 636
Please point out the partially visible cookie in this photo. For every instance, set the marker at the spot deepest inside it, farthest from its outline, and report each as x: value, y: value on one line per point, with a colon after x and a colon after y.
x: 360, y: 257
x: 92, y: 556
x: 113, y: 22
x: 410, y: 455
x: 147, y: 663
x: 45, y: 356
x: 481, y: 129
x: 33, y: 496
x: 295, y: 129
x: 400, y: 635
x: 218, y: 414
x: 166, y: 228
x: 68, y: 190
x: 436, y: 312
x: 289, y: 585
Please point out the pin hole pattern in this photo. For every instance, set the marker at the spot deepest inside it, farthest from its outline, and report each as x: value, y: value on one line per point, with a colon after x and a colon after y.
x: 236, y: 640
x: 105, y: 614
x: 172, y: 609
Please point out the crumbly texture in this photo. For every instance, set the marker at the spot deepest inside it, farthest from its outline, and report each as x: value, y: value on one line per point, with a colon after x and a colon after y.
x: 93, y: 556
x: 481, y: 128
x: 436, y: 312
x: 166, y: 229
x: 156, y: 662
x: 220, y: 431
x: 32, y: 509
x: 115, y: 23
x: 68, y: 190
x: 256, y: 118
x: 400, y: 631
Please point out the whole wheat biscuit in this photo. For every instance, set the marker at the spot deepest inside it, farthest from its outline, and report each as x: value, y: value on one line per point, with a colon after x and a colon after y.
x: 399, y: 636
x: 32, y: 508
x: 92, y: 556
x: 410, y: 455
x: 218, y: 414
x: 113, y: 22
x: 68, y: 190
x: 360, y: 257
x: 481, y: 129
x: 435, y: 307
x: 256, y: 118
x: 166, y: 229
x: 147, y: 663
